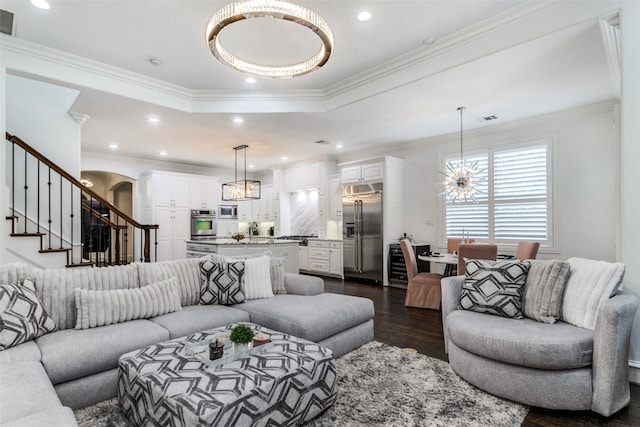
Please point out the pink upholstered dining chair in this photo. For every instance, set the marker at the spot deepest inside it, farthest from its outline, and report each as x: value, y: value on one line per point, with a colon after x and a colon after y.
x: 453, y: 243
x: 423, y: 289
x: 527, y: 250
x: 480, y: 251
x: 452, y: 246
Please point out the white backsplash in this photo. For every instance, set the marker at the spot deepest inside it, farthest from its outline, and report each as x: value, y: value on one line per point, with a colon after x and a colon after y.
x: 304, y: 213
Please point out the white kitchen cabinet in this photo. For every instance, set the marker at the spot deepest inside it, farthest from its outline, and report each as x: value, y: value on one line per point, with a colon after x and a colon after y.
x: 168, y: 189
x: 166, y: 199
x: 245, y: 210
x: 325, y: 257
x: 335, y: 197
x: 173, y: 231
x: 335, y: 259
x: 203, y: 193
x: 226, y: 226
x: 303, y: 257
x: 322, y: 216
x: 303, y: 177
x: 366, y: 172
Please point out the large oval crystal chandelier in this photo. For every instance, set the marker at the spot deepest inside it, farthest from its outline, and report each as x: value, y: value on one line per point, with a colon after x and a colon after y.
x: 460, y: 185
x: 277, y: 9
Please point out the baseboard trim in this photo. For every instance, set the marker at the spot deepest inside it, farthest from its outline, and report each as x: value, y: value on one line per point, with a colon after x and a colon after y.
x: 634, y: 372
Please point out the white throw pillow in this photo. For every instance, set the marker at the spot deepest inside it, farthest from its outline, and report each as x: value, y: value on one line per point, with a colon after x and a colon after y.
x: 100, y: 308
x: 257, y: 278
x: 590, y: 283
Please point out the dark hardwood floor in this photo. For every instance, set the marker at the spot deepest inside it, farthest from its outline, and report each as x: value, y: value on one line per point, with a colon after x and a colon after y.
x: 421, y: 329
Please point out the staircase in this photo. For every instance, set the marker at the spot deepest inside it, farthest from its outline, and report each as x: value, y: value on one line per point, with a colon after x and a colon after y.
x: 56, y: 220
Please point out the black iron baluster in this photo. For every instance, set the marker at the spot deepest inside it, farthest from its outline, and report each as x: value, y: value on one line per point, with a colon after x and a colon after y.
x: 49, y: 220
x: 38, y: 196
x: 71, y: 206
x: 155, y: 244
x: 13, y: 182
x: 61, y: 244
x: 26, y: 187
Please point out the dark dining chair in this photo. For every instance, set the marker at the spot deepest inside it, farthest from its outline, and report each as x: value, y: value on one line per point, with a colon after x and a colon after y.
x: 476, y: 251
x: 423, y: 289
x: 527, y: 250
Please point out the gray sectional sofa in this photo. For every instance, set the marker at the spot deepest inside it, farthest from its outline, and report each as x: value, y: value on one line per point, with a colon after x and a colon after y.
x: 72, y: 368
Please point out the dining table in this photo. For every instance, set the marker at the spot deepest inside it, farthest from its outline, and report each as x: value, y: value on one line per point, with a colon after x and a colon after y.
x: 450, y: 261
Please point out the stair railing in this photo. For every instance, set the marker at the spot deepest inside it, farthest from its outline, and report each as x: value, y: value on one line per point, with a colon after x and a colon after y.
x: 70, y: 217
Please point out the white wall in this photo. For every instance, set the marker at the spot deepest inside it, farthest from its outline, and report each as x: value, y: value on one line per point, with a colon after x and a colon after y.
x: 585, y: 178
x: 630, y: 114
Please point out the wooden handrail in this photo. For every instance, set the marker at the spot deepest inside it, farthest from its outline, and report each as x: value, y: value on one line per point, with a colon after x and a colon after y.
x: 35, y: 153
x: 101, y: 218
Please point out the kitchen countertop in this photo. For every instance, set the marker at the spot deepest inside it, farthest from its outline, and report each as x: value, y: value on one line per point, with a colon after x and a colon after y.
x: 255, y: 241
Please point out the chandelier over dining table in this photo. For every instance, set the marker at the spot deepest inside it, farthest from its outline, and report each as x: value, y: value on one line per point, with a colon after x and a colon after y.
x: 462, y: 177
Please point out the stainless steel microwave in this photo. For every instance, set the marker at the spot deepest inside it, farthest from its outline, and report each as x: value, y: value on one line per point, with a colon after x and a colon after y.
x: 228, y: 211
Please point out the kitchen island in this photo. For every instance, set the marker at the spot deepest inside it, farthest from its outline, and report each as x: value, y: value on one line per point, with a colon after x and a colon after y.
x: 287, y: 249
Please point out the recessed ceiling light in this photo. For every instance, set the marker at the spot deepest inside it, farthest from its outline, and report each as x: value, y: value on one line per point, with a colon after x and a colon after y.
x: 152, y: 119
x: 339, y: 146
x: 41, y: 4
x: 428, y: 41
x: 285, y: 158
x: 251, y: 166
x: 155, y: 61
x: 250, y: 80
x: 238, y: 120
x: 163, y: 153
x: 364, y: 16
x: 113, y: 146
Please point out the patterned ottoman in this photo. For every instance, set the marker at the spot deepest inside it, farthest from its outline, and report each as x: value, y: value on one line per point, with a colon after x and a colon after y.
x: 287, y: 384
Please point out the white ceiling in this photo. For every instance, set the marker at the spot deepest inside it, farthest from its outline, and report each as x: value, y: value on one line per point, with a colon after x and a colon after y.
x: 382, y: 86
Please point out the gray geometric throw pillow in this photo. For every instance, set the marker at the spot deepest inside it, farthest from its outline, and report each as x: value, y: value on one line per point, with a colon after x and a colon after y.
x: 22, y: 316
x: 494, y: 287
x: 221, y: 282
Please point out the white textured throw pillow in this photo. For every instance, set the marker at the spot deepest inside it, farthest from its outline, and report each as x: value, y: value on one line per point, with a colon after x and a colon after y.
x: 590, y: 283
x: 257, y: 278
x: 100, y: 308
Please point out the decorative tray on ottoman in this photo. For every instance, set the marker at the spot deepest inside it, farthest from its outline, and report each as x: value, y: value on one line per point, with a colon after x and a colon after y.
x: 232, y: 352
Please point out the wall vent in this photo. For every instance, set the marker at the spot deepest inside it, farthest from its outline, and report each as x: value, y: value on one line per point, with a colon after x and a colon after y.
x: 488, y: 118
x: 6, y: 22
x: 322, y: 142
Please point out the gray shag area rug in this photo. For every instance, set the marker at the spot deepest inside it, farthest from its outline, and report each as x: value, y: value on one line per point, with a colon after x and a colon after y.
x: 381, y: 385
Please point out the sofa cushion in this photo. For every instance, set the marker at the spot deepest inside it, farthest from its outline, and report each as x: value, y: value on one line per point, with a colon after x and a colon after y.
x: 277, y: 276
x: 590, y: 283
x: 198, y: 318
x: 25, y: 352
x: 186, y: 270
x: 22, y: 316
x: 257, y: 277
x: 543, y: 290
x: 25, y: 389
x: 13, y: 272
x: 55, y: 417
x: 74, y: 353
x: 55, y: 287
x: 100, y: 308
x: 310, y: 317
x: 221, y: 282
x: 523, y: 342
x: 494, y: 287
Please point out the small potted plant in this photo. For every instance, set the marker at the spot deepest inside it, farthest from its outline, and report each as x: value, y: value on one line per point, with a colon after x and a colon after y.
x: 241, y: 336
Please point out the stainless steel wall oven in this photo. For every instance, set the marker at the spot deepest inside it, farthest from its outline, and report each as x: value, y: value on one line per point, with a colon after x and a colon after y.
x: 203, y: 224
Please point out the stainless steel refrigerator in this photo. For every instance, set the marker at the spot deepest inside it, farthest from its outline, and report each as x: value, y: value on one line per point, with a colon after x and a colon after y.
x: 362, y: 231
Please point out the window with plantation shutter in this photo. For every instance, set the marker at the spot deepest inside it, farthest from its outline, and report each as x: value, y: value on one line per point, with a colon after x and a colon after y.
x: 514, y: 201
